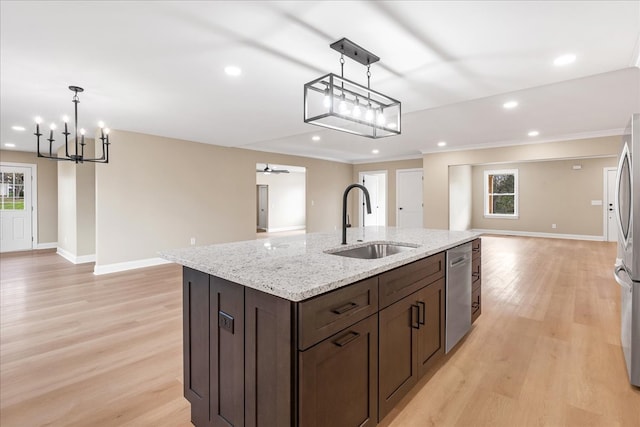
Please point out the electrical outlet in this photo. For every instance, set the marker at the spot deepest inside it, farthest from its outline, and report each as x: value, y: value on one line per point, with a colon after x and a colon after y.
x: 193, y: 241
x: 554, y: 226
x: 225, y: 321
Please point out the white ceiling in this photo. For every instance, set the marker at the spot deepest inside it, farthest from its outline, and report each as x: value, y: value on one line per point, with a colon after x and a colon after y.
x: 158, y: 68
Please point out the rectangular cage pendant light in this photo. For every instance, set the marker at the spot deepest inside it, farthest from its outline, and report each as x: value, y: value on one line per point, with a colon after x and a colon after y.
x: 337, y: 103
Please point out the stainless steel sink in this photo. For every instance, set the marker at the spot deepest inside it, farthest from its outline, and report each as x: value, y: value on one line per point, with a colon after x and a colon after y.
x: 373, y: 250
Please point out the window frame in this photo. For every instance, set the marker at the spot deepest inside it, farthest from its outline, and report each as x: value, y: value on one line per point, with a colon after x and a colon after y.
x: 516, y: 193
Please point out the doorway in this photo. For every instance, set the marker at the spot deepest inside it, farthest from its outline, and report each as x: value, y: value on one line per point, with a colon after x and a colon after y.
x: 263, y: 207
x: 376, y: 184
x: 17, y: 207
x: 409, y: 198
x: 280, y: 198
x: 610, y: 227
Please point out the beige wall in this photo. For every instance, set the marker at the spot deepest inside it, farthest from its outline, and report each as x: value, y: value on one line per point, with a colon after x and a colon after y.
x: 47, y: 192
x: 86, y: 202
x: 550, y: 192
x: 391, y: 168
x: 77, y: 204
x: 156, y: 193
x: 436, y: 167
x: 67, y: 212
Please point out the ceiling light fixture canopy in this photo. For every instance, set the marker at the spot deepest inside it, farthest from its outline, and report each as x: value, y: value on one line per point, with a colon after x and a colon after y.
x: 334, y: 102
x: 78, y: 156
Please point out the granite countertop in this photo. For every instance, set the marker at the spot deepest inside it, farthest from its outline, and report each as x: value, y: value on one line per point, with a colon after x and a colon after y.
x: 298, y: 267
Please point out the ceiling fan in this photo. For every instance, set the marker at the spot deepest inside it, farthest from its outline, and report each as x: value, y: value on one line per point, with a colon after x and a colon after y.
x: 267, y: 170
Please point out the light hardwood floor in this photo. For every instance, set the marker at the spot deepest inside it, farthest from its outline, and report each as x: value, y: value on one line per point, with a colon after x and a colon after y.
x: 84, y: 350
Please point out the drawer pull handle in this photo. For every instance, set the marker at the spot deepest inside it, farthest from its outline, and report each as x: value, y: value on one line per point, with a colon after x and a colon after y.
x: 423, y: 312
x: 346, y: 338
x: 415, y: 324
x: 476, y: 275
x: 344, y: 308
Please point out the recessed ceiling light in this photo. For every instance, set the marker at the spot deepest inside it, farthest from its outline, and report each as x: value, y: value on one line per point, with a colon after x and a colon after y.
x: 534, y: 133
x: 18, y: 128
x: 9, y: 144
x: 564, y: 60
x: 233, y: 71
x: 315, y: 138
x: 375, y: 151
x: 442, y: 144
x: 510, y: 104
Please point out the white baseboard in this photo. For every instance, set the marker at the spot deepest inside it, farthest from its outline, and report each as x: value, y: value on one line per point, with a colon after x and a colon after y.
x: 82, y: 259
x: 51, y: 245
x: 537, y: 234
x: 279, y: 229
x: 128, y: 265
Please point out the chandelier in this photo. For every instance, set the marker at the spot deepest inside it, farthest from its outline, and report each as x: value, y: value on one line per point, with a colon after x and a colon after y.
x: 78, y: 155
x: 337, y: 103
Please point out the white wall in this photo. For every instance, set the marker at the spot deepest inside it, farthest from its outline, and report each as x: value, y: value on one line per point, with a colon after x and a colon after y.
x: 460, y: 200
x: 286, y: 199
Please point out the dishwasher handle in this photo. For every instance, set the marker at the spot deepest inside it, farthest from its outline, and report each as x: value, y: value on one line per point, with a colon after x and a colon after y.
x: 459, y: 261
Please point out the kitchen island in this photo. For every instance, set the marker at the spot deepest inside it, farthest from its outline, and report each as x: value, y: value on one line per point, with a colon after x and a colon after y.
x: 284, y: 332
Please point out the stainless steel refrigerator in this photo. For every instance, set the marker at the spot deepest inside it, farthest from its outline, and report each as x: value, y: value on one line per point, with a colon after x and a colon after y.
x: 627, y: 269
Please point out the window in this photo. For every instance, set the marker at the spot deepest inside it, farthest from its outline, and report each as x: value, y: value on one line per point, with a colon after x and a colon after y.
x: 11, y: 191
x: 501, y: 193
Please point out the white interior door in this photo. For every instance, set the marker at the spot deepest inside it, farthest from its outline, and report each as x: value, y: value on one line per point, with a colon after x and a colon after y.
x: 611, y: 226
x: 409, y: 197
x: 15, y: 209
x: 376, y: 184
x: 263, y: 207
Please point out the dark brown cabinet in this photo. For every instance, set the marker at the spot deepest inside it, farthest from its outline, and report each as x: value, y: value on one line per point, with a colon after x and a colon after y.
x: 476, y: 279
x: 338, y: 378
x: 411, y: 335
x: 431, y: 331
x: 213, y: 349
x: 343, y: 358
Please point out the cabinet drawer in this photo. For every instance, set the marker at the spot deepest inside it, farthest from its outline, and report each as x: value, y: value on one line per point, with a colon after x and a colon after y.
x: 476, y: 270
x: 323, y: 316
x: 338, y: 379
x: 397, y: 284
x: 476, y: 303
x: 476, y: 248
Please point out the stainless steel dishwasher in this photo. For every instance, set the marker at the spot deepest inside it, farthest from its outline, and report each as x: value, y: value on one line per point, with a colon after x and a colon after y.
x: 458, y: 310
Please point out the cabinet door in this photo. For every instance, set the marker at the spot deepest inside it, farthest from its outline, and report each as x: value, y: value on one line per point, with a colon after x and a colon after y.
x: 268, y: 356
x: 398, y: 326
x: 431, y: 319
x: 226, y: 349
x: 195, y: 305
x: 338, y: 378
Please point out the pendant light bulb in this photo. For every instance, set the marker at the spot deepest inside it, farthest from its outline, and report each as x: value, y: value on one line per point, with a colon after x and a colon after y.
x: 53, y: 126
x: 38, y: 120
x: 356, y: 109
x: 368, y: 115
x: 343, y: 105
x: 65, y: 119
x: 381, y: 120
x: 327, y: 98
